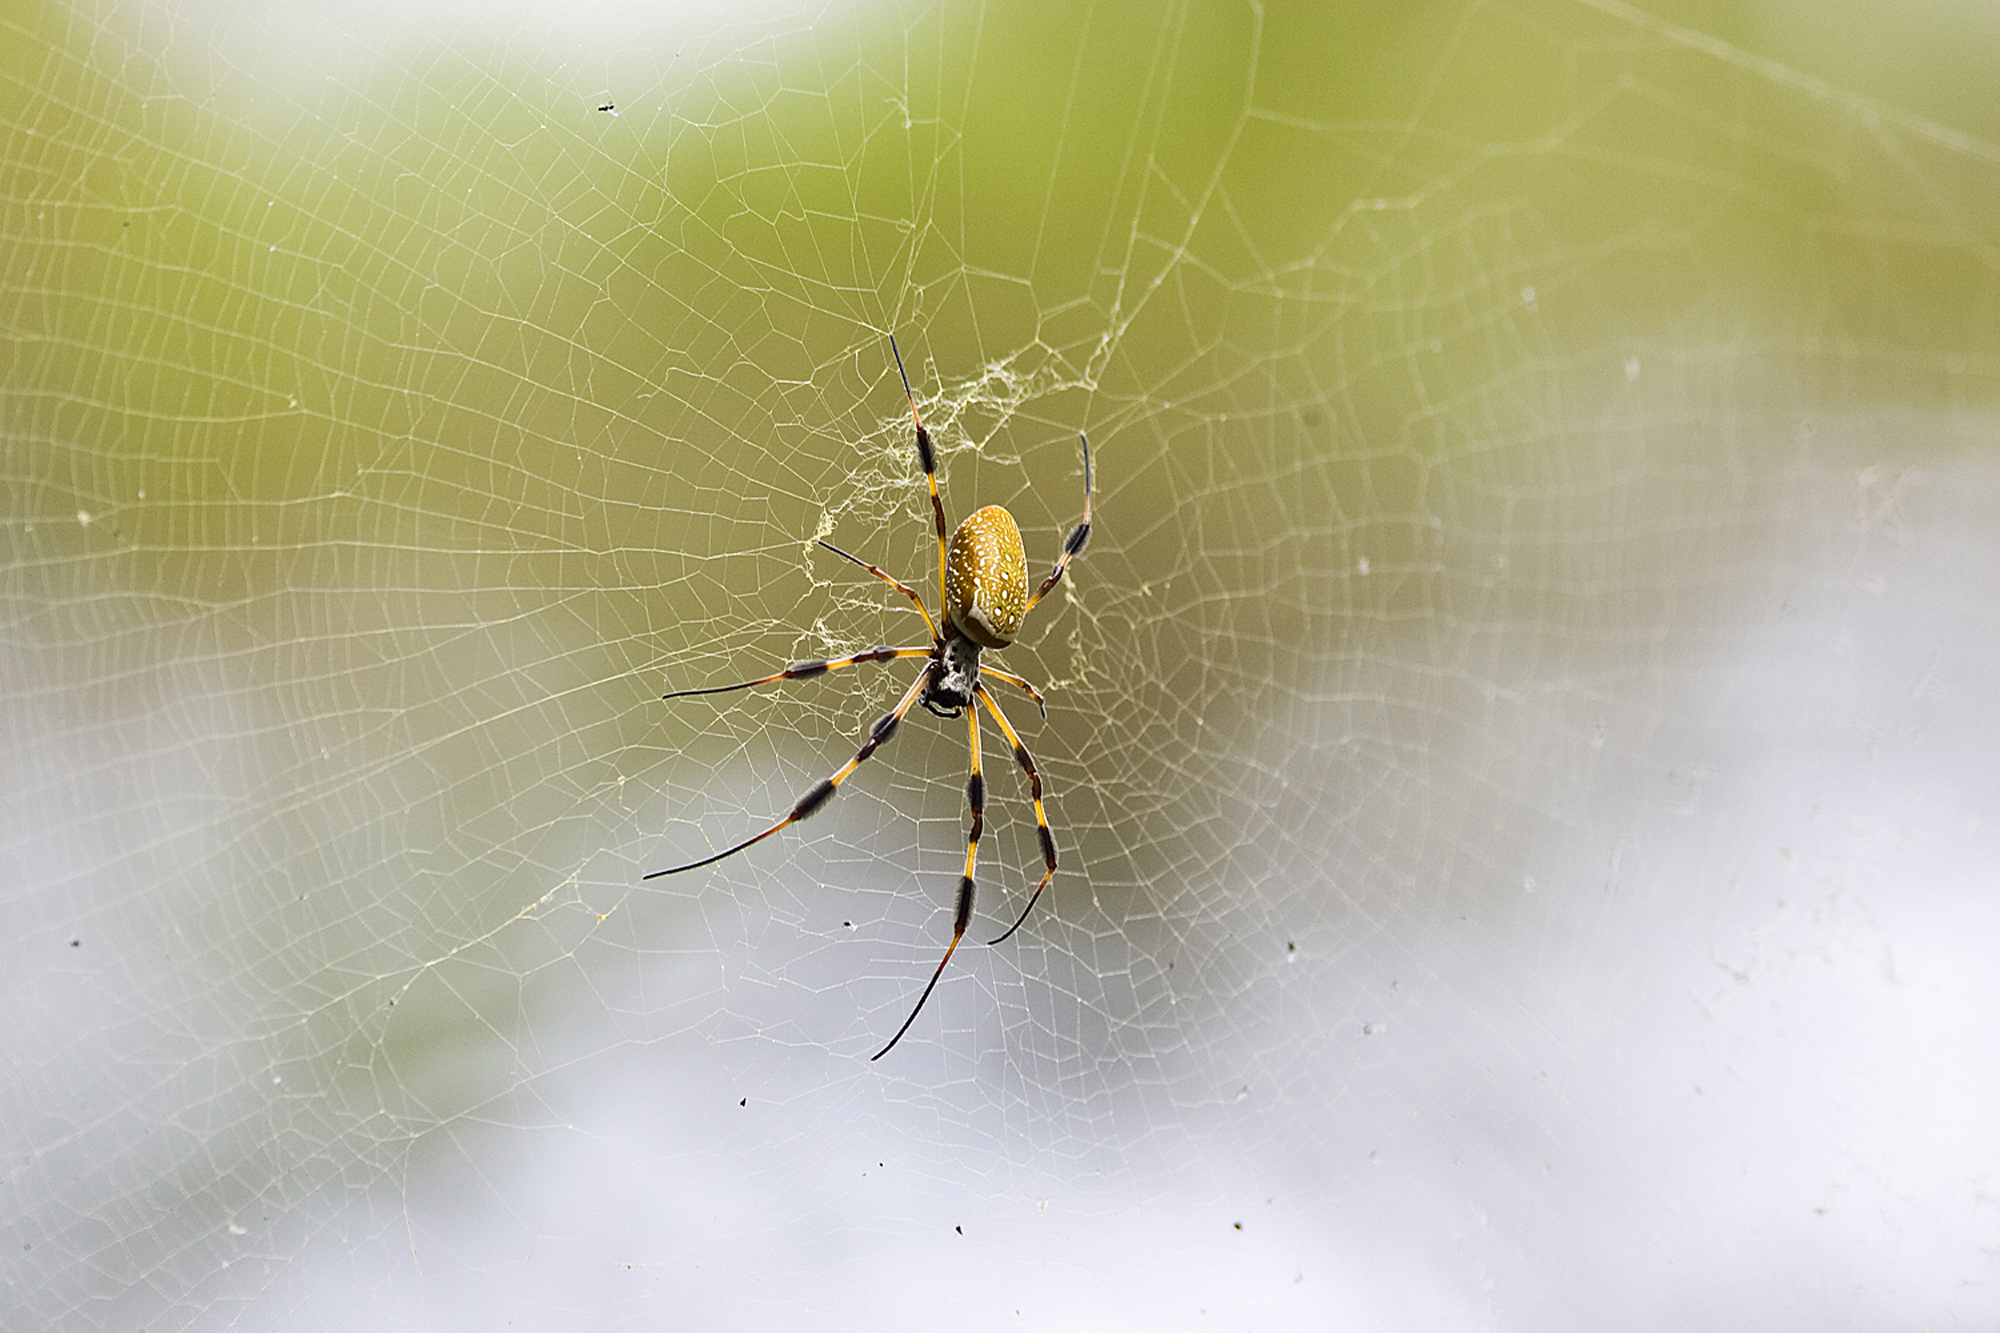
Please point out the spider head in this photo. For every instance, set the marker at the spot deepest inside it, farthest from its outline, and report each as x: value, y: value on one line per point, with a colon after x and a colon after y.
x: 954, y: 673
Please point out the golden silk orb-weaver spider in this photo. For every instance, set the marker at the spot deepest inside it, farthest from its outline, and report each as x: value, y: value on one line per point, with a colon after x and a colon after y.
x: 983, y: 596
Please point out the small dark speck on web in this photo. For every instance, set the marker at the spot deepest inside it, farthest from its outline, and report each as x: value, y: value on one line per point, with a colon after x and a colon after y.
x: 1239, y: 1226
x: 608, y: 106
x: 959, y: 1230
x: 744, y: 1102
x: 76, y: 944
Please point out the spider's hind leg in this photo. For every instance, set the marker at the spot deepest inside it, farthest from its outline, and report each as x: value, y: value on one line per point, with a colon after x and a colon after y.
x: 927, y: 456
x: 1072, y: 544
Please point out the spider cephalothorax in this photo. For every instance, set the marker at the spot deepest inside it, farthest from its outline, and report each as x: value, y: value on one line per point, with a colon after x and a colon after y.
x: 953, y: 678
x: 983, y: 597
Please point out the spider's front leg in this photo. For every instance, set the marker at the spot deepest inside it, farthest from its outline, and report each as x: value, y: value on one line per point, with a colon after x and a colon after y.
x: 975, y: 797
x: 1027, y: 764
x: 822, y: 792
x: 807, y: 670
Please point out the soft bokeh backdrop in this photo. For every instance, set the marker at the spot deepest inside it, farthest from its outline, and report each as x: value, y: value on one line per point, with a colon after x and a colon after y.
x: 1522, y: 738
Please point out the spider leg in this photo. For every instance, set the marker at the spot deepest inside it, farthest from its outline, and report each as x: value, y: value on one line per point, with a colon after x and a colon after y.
x: 927, y: 456
x: 1073, y: 543
x: 809, y: 804
x: 893, y: 582
x: 1035, y: 790
x: 806, y: 670
x: 975, y: 797
x: 1013, y: 679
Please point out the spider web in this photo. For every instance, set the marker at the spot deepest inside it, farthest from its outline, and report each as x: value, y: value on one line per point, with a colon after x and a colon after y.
x: 1521, y: 739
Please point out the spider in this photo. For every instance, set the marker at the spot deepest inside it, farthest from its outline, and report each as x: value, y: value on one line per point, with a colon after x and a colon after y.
x: 983, y: 590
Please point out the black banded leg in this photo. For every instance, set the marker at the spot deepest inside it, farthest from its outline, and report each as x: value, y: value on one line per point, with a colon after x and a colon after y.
x: 1027, y: 764
x: 893, y: 582
x: 975, y: 797
x: 927, y: 456
x: 1073, y: 543
x: 807, y: 670
x: 1013, y: 679
x: 809, y: 804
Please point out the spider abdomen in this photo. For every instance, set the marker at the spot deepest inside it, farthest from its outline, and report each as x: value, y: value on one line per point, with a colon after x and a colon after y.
x: 986, y: 578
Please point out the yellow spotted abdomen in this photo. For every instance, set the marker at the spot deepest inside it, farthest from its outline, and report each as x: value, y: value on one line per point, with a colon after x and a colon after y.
x: 986, y: 578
